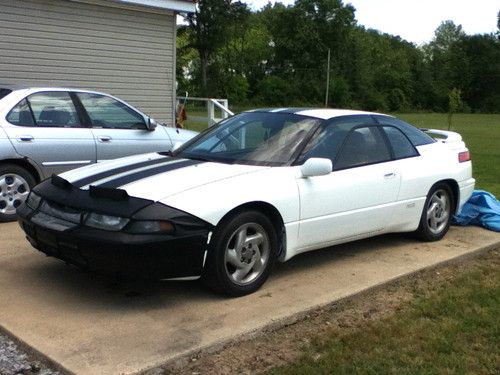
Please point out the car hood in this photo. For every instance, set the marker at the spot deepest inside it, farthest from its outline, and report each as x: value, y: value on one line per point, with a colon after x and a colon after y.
x: 156, y: 177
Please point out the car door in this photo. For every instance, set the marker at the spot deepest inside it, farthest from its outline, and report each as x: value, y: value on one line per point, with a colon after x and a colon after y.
x: 120, y: 130
x: 46, y: 128
x: 355, y: 200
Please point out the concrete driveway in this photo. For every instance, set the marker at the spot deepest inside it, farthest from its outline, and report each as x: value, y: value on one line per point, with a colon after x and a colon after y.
x: 90, y: 325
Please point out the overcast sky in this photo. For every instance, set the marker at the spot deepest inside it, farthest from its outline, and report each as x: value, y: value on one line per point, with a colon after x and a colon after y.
x: 416, y: 20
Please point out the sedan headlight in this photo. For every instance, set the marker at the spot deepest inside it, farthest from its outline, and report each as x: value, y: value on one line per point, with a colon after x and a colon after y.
x: 105, y: 222
x: 150, y: 227
x: 33, y: 200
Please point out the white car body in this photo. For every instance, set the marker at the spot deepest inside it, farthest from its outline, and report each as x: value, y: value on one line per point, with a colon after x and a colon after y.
x: 319, y: 211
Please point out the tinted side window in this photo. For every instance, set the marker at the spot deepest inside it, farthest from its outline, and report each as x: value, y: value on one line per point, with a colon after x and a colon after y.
x: 416, y: 136
x: 21, y: 114
x: 401, y: 146
x: 53, y: 109
x: 106, y: 112
x: 327, y: 141
x: 362, y: 146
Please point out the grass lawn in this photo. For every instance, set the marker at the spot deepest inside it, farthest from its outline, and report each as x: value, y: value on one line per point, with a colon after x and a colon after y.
x: 450, y: 326
x: 480, y: 132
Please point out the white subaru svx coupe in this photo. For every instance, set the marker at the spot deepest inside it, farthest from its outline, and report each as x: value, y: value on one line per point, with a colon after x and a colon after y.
x: 261, y: 186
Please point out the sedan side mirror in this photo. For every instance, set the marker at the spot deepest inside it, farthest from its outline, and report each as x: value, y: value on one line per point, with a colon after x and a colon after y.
x: 151, y: 124
x: 316, y: 167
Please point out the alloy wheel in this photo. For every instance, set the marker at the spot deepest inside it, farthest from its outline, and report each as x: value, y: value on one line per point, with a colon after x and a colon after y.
x: 247, y: 253
x: 438, y: 211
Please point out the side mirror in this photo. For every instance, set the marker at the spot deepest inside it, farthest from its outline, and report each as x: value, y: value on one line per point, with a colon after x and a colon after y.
x: 316, y: 167
x: 151, y: 124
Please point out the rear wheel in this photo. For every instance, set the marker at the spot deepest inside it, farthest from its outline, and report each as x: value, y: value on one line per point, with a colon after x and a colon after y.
x: 436, y: 216
x: 15, y: 185
x: 242, y: 253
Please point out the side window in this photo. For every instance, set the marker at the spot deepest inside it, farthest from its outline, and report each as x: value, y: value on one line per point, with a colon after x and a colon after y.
x: 327, y: 141
x: 46, y: 109
x: 53, y: 109
x: 400, y: 144
x: 324, y: 144
x: 362, y: 146
x: 21, y: 114
x: 416, y: 136
x: 106, y: 112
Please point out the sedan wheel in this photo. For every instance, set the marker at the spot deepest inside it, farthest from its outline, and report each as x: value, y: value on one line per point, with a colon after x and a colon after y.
x: 242, y: 253
x: 437, y: 213
x: 15, y: 185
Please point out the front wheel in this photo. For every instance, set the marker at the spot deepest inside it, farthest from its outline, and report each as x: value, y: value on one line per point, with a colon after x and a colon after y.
x: 436, y: 216
x: 242, y: 252
x: 15, y: 185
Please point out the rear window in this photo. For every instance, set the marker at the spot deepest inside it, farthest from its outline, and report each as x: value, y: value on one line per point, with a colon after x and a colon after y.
x: 416, y: 136
x: 4, y: 92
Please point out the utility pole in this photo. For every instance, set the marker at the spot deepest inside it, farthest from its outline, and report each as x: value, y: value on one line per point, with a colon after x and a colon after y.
x: 327, y: 79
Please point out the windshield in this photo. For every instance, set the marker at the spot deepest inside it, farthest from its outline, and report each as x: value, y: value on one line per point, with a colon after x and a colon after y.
x: 257, y: 138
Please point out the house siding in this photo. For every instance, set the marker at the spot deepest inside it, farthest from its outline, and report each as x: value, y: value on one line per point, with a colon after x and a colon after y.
x: 127, y: 53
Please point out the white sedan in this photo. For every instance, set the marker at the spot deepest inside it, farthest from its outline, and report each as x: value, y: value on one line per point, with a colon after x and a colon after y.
x: 262, y: 186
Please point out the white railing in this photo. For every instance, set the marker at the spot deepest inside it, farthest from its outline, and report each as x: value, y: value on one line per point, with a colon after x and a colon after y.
x: 217, y: 110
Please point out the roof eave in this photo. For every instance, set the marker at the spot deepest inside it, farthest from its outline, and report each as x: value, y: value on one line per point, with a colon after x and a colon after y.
x: 176, y: 5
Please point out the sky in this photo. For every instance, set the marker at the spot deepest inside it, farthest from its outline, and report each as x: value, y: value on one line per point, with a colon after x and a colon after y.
x: 416, y: 20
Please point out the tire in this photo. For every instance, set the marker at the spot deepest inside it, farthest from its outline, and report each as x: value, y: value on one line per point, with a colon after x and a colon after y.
x: 15, y: 185
x: 241, y: 255
x: 437, y: 213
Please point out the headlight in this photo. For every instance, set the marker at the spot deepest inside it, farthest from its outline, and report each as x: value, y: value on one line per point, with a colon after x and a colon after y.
x: 150, y: 226
x: 33, y: 200
x: 105, y: 222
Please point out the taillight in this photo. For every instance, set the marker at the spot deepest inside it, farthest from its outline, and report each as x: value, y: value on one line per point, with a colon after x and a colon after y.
x: 463, y: 156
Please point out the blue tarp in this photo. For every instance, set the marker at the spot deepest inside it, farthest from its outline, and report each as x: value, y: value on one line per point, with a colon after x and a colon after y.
x: 482, y: 209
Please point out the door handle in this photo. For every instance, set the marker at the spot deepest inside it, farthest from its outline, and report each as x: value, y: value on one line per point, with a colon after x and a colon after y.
x: 26, y: 138
x: 390, y: 175
x: 104, y: 138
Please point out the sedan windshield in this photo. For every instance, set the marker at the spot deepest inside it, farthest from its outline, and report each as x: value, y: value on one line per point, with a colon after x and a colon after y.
x: 257, y: 138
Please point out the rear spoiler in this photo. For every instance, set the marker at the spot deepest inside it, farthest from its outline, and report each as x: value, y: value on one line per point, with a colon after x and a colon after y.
x: 444, y: 136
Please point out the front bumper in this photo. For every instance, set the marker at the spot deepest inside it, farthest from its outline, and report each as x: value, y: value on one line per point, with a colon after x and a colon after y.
x: 140, y: 255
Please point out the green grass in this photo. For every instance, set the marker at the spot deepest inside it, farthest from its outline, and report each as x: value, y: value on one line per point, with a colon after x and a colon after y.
x: 481, y: 133
x: 449, y: 327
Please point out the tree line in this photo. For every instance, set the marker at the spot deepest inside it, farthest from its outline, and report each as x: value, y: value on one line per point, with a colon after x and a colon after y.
x: 279, y: 56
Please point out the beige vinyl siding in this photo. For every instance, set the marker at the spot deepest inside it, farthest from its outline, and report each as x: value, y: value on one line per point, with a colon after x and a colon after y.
x: 127, y: 53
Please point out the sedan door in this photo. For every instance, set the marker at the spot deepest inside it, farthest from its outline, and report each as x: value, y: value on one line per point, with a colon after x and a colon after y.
x: 357, y: 199
x: 120, y: 130
x: 46, y: 128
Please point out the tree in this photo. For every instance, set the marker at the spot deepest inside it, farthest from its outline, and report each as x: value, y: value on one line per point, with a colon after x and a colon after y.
x: 278, y: 56
x: 482, y: 87
x: 454, y: 104
x: 209, y: 26
x: 447, y: 61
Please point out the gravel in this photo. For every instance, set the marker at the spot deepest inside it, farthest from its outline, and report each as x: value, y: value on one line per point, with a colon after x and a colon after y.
x: 15, y: 361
